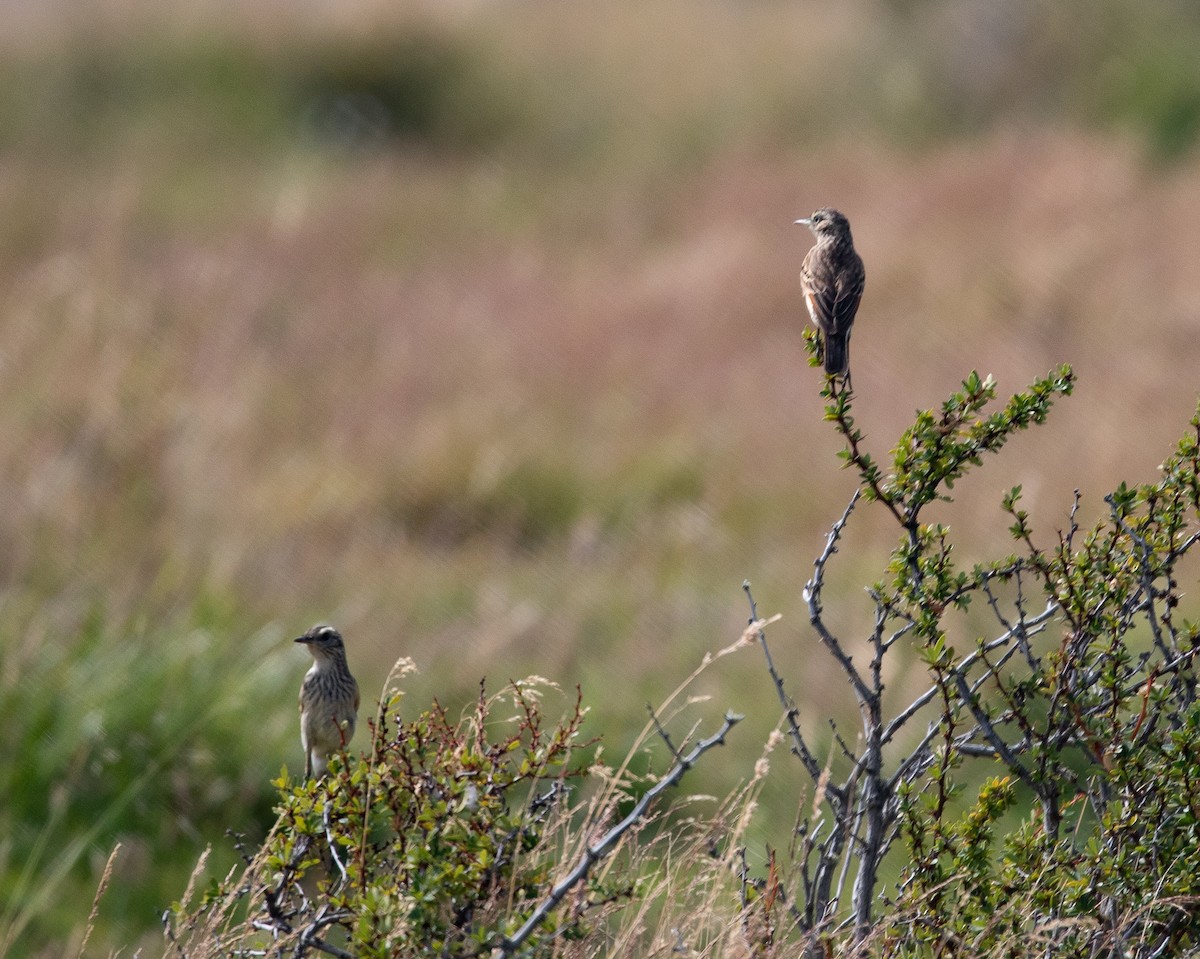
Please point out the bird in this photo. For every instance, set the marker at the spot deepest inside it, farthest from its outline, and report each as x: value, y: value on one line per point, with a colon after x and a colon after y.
x: 328, y: 700
x: 832, y: 278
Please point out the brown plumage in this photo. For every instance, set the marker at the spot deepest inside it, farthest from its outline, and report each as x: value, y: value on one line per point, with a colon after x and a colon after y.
x: 328, y: 700
x: 832, y: 278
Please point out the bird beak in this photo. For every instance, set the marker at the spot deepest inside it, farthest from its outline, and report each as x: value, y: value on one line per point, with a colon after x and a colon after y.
x: 302, y: 639
x: 807, y: 221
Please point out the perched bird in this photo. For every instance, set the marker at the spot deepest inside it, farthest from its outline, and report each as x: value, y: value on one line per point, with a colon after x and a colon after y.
x: 832, y: 278
x: 328, y: 700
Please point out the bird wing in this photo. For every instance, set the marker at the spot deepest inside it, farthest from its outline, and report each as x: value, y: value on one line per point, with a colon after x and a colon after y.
x: 845, y: 304
x: 832, y: 297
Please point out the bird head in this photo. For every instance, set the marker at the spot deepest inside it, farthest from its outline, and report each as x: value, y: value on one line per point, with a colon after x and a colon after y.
x: 827, y: 222
x: 324, y: 642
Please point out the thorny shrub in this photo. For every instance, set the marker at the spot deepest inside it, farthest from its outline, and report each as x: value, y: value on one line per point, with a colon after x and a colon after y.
x: 436, y: 842
x: 1061, y: 691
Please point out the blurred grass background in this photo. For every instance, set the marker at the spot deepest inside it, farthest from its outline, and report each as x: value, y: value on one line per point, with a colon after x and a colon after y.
x: 474, y: 328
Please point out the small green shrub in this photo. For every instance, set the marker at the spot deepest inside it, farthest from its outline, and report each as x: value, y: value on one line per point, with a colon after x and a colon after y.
x: 421, y: 86
x: 444, y: 840
x: 108, y: 739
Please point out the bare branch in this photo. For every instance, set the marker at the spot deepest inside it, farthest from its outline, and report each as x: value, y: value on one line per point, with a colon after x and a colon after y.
x: 594, y: 853
x: 812, y: 596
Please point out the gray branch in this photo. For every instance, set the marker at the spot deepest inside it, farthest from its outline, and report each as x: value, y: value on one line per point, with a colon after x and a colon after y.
x: 593, y: 854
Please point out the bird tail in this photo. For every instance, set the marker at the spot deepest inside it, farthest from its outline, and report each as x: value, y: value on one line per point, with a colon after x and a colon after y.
x: 837, y: 353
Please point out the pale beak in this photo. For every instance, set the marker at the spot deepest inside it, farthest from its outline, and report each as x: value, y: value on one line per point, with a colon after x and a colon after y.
x: 807, y: 221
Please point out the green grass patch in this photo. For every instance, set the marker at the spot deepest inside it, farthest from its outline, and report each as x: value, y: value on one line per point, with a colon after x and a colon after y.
x: 128, y: 732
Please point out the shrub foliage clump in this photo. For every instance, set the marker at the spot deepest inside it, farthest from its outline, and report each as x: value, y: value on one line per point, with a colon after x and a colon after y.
x: 438, y: 839
x: 448, y: 838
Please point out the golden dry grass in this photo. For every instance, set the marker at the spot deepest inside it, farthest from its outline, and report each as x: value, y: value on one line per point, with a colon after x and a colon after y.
x: 282, y: 412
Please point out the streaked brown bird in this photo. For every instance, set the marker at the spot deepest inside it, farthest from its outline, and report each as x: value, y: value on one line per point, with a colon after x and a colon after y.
x: 832, y: 278
x: 328, y: 700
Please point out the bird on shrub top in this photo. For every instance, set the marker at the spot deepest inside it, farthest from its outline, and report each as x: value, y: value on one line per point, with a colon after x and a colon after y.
x: 328, y: 700
x: 832, y: 278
